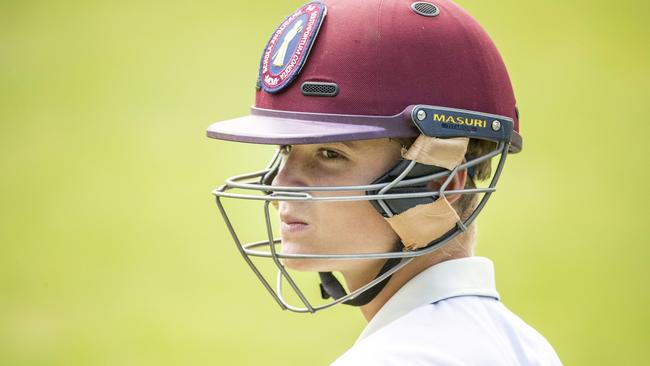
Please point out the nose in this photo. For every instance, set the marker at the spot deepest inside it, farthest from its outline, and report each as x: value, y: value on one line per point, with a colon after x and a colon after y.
x: 285, y: 177
x: 288, y: 174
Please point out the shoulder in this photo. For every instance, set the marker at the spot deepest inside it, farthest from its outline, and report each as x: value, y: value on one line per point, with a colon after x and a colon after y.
x: 457, y: 331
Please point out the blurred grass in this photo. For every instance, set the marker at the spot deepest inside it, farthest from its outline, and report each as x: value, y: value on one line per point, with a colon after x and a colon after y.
x: 113, y: 253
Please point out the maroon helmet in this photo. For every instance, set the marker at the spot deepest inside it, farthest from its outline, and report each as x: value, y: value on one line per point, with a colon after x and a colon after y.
x: 341, y: 70
x: 371, y: 61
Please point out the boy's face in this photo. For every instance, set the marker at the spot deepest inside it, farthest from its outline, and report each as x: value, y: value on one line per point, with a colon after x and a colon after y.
x: 335, y: 227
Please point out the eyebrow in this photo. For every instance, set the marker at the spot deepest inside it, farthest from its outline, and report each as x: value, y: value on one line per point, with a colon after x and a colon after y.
x: 350, y: 144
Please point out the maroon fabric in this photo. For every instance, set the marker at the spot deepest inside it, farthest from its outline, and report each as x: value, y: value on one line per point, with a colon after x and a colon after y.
x: 385, y: 57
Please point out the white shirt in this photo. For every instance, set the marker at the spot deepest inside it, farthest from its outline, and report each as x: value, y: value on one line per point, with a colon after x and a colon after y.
x: 449, y: 314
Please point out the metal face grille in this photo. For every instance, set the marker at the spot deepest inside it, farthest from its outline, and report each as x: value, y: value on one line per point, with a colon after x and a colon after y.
x: 319, y: 89
x: 425, y: 9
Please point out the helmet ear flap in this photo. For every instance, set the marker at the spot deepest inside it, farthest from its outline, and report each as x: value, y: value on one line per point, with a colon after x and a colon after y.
x: 398, y: 206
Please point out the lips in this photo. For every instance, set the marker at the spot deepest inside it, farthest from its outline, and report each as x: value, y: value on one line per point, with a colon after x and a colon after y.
x: 288, y: 219
x: 292, y: 224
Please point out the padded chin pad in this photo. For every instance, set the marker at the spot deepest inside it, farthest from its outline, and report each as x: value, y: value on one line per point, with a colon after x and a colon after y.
x: 398, y: 206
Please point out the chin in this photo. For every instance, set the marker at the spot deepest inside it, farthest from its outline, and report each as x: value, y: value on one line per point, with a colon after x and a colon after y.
x: 306, y: 265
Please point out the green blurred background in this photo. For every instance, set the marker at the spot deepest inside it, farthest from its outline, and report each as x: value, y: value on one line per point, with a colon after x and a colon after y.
x: 112, y: 251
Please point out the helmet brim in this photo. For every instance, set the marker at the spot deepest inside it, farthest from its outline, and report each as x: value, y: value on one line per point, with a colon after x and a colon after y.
x: 273, y: 127
x: 266, y: 126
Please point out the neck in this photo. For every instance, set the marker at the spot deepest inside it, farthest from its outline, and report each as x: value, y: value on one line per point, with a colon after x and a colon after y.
x: 459, y: 247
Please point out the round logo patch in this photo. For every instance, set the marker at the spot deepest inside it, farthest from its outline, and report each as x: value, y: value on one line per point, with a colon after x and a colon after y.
x: 288, y: 48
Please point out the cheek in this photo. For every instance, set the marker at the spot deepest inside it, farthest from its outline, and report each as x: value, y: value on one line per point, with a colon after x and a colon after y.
x: 355, y: 226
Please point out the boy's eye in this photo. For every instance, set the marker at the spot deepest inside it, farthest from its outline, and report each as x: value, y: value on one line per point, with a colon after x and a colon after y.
x: 326, y: 154
x: 329, y: 154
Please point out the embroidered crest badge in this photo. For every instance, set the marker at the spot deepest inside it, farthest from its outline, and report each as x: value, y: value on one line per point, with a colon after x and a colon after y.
x: 287, y: 50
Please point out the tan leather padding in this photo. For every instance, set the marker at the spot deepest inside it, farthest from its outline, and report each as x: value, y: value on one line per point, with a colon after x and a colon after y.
x: 446, y: 153
x: 421, y: 224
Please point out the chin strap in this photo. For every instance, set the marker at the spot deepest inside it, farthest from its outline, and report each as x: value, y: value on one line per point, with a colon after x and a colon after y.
x: 331, y: 287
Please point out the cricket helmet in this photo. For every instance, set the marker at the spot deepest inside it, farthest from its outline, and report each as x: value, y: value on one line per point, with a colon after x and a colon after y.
x: 339, y: 70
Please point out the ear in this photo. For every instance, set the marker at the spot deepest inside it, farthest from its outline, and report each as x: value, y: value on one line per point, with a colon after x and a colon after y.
x: 458, y: 182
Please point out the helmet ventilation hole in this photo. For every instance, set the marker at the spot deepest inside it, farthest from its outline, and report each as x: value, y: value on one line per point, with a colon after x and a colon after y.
x: 319, y: 89
x: 425, y: 8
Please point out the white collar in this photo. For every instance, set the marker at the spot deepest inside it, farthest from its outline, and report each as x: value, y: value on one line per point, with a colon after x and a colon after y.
x: 455, y: 277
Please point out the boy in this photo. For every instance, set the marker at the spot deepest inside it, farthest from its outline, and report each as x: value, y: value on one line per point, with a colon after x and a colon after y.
x: 386, y: 114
